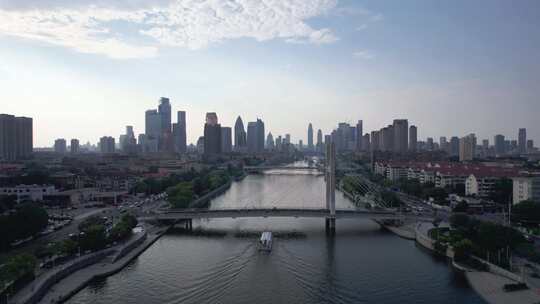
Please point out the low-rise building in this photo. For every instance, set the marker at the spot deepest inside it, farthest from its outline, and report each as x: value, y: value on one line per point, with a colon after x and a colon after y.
x: 28, y: 192
x: 526, y: 187
x: 482, y: 182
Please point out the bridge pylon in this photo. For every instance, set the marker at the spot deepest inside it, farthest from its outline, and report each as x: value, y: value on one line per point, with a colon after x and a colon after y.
x: 330, y: 174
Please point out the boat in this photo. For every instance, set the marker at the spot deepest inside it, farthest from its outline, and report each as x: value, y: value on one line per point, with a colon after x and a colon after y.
x: 265, y: 243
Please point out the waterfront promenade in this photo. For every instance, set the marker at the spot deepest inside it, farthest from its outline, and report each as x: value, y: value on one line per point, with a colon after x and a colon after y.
x: 68, y: 286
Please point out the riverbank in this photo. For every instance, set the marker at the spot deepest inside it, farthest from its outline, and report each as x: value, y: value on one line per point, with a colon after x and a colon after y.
x: 57, y: 290
x: 489, y: 285
x: 405, y: 231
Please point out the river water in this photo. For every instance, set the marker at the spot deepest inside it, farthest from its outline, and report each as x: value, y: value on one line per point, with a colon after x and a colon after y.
x: 361, y: 264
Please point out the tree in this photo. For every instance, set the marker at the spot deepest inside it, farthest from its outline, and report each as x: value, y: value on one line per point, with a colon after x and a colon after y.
x: 527, y: 212
x: 502, y: 191
x: 28, y: 220
x: 462, y: 249
x: 459, y: 221
x: 461, y: 207
x: 94, y: 238
x: 20, y: 265
x: 181, y: 195
x: 390, y: 198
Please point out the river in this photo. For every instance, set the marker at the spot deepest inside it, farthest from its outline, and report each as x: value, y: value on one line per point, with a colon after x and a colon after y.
x: 361, y: 264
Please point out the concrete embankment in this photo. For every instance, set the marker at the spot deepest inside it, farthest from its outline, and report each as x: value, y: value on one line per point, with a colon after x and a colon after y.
x: 60, y: 285
x: 406, y: 231
x: 489, y: 285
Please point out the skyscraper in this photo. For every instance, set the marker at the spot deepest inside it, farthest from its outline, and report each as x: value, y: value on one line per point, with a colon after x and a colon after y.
x: 179, y: 133
x: 500, y: 144
x: 165, y: 138
x: 443, y: 143
x: 522, y: 141
x: 375, y: 141
x: 74, y: 146
x: 255, y: 136
x: 226, y: 139
x: 270, y: 142
x: 401, y: 135
x: 16, y: 137
x: 240, y: 140
x: 413, y: 138
x: 359, y: 139
x: 164, y: 109
x: 366, y: 142
x: 60, y: 146
x: 107, y: 144
x: 430, y: 144
x: 320, y: 148
x: 152, y: 124
x: 212, y: 134
x: 387, y: 138
x: 454, y: 146
x: 310, y: 137
x: 530, y: 145
x: 467, y: 146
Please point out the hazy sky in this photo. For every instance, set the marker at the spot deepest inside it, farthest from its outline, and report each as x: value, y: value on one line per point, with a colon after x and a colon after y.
x: 86, y: 68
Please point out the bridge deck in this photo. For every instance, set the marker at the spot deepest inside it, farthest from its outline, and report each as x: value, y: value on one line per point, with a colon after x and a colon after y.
x: 242, y: 213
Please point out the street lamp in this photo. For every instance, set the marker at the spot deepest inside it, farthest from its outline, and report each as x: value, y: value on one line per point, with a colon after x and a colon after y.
x: 79, y: 241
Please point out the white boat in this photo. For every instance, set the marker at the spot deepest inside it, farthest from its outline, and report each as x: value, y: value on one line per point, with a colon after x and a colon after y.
x: 265, y: 243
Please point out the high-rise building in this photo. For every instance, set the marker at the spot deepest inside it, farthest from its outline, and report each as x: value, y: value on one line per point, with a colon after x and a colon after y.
x: 164, y: 109
x: 387, y: 138
x: 300, y: 145
x: 240, y: 140
x: 255, y: 136
x: 270, y: 142
x: 467, y: 146
x: 212, y: 134
x: 60, y: 146
x: 128, y: 142
x: 500, y: 144
x: 454, y: 146
x: 179, y: 133
x: 530, y: 145
x: 413, y: 138
x: 200, y: 145
x: 320, y: 145
x: 366, y: 142
x: 310, y: 137
x: 375, y: 141
x: 279, y: 142
x: 443, y: 143
x: 522, y: 138
x: 287, y: 138
x: 16, y: 137
x: 401, y: 135
x: 152, y: 124
x: 430, y: 144
x: 107, y: 144
x: 74, y: 146
x: 226, y: 139
x: 359, y: 139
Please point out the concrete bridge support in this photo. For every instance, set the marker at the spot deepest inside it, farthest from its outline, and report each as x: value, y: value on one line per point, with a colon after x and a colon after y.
x: 188, y: 225
x: 331, y: 187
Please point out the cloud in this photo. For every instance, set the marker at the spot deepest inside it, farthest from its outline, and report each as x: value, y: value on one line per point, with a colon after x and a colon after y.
x: 365, y: 16
x: 364, y: 54
x: 99, y: 26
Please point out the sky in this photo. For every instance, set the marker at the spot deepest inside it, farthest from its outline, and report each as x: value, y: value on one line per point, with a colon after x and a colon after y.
x: 87, y: 68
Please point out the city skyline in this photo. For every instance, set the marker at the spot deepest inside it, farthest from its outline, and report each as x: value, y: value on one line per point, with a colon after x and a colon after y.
x: 336, y: 61
x: 199, y: 131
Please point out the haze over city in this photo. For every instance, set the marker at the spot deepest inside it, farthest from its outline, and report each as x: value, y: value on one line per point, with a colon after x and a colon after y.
x: 450, y: 68
x: 269, y: 151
